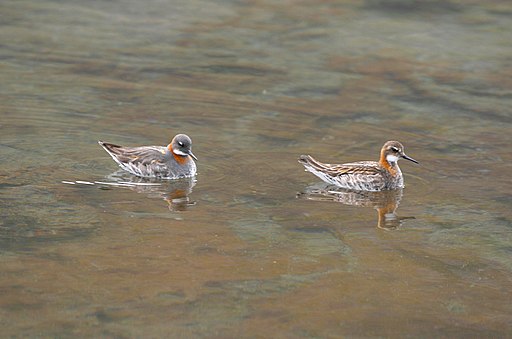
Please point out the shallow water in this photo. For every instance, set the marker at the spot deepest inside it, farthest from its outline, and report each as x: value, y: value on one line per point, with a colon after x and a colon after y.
x: 249, y: 249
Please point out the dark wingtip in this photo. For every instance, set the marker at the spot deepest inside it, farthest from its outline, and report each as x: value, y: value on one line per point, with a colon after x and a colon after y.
x: 107, y: 144
x: 304, y: 159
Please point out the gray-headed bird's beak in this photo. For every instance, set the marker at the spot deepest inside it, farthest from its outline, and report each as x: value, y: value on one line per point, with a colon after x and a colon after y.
x: 192, y: 155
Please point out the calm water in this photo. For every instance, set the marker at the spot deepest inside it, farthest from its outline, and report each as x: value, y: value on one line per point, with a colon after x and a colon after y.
x: 255, y: 247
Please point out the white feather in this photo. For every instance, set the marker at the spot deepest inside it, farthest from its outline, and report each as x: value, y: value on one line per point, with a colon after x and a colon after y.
x: 178, y: 152
x: 391, y: 158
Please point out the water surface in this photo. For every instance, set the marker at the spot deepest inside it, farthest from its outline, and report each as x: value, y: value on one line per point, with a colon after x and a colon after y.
x: 243, y: 251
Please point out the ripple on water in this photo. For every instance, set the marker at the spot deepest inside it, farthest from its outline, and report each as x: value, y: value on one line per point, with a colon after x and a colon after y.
x: 486, y: 233
x: 32, y: 215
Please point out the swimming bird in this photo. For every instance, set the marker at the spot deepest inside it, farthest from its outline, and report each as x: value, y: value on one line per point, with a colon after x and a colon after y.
x: 363, y: 175
x: 171, y: 162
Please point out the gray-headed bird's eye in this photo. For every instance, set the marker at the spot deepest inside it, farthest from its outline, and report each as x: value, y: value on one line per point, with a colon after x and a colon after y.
x: 180, y: 143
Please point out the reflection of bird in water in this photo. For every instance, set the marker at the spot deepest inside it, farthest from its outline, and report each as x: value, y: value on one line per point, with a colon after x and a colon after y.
x: 175, y: 192
x: 385, y: 202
